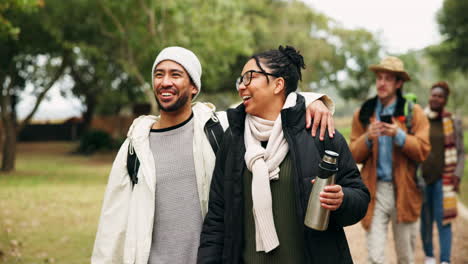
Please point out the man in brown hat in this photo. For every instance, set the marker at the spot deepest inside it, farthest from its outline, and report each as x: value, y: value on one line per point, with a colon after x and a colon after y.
x: 389, y: 149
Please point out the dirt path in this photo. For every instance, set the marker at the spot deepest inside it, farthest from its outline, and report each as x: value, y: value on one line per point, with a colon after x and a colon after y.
x: 357, y: 242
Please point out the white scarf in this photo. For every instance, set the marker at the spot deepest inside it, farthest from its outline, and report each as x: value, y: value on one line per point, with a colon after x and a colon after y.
x: 264, y: 165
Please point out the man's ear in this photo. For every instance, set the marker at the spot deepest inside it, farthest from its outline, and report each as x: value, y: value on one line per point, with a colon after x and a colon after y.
x: 279, y: 85
x: 194, y: 90
x: 399, y: 84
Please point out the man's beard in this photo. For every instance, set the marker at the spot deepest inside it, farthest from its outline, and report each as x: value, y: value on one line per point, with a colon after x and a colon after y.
x: 176, y: 106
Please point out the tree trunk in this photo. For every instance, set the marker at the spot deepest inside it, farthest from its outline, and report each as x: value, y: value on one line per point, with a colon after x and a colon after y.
x: 9, y: 133
x: 89, y: 113
x: 9, y: 145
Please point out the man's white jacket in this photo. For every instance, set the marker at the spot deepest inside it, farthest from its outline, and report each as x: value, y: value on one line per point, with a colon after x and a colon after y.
x: 126, y: 223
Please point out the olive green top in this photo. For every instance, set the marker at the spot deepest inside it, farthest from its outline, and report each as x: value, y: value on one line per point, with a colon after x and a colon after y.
x: 288, y: 226
x: 433, y: 166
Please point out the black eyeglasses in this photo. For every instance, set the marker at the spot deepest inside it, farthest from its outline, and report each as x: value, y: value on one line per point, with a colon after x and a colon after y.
x: 246, y: 78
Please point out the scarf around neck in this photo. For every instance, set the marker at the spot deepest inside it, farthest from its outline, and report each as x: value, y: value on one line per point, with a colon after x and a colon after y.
x: 450, y: 163
x: 264, y: 165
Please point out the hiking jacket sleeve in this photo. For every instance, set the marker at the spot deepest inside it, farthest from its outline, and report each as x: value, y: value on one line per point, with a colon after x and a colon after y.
x: 212, y: 235
x: 358, y: 146
x: 110, y: 237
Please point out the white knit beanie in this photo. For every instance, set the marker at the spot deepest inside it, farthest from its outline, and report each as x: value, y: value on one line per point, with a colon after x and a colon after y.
x: 184, y: 57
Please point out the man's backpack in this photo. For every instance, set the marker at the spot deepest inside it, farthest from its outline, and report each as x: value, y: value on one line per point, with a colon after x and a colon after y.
x: 408, y: 111
x: 213, y: 130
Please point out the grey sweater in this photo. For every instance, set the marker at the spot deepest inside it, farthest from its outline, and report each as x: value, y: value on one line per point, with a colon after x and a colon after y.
x: 177, y: 215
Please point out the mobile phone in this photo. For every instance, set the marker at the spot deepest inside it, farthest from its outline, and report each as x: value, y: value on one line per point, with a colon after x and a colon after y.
x: 386, y: 118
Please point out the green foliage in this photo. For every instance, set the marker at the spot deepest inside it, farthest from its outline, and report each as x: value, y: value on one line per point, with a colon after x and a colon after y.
x: 458, y: 82
x: 95, y: 140
x: 225, y: 33
x: 8, y: 9
x: 452, y: 54
x: 464, y: 181
x: 357, y: 49
x: 422, y: 74
x: 114, y: 39
x: 465, y: 141
x: 425, y: 72
x: 214, y: 30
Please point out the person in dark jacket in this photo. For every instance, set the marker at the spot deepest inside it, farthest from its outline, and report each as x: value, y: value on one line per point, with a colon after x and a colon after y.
x: 264, y: 171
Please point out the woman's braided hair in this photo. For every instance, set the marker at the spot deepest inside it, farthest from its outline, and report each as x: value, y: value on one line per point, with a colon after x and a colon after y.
x: 284, y: 62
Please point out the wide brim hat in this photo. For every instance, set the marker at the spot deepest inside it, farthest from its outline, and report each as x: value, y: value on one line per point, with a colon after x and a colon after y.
x: 391, y: 64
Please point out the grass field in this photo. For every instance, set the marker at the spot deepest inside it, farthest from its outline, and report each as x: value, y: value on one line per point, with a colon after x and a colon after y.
x: 49, y: 207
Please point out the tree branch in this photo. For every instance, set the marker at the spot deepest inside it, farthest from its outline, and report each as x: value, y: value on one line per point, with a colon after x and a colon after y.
x: 113, y: 18
x: 151, y: 18
x: 104, y: 31
x: 41, y: 96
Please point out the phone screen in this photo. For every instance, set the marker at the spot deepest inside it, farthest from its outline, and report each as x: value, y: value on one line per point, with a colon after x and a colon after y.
x: 386, y: 118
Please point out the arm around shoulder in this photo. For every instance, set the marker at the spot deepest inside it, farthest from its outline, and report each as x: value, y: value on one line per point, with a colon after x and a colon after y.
x: 311, y: 97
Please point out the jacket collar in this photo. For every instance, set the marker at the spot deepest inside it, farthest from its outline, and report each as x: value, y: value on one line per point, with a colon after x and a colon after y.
x: 139, y: 130
x: 368, y: 108
x: 293, y: 117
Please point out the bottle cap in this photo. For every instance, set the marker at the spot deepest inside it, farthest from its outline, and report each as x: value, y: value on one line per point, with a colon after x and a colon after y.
x: 329, y: 161
x: 330, y: 157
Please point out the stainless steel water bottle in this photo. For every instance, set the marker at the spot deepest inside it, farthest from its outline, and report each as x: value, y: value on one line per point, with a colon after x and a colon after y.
x: 317, y: 216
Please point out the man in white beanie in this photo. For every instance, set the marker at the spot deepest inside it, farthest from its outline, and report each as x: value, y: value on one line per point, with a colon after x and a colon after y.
x: 157, y: 218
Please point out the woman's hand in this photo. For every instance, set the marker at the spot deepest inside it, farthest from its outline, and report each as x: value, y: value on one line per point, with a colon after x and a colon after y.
x: 331, y: 197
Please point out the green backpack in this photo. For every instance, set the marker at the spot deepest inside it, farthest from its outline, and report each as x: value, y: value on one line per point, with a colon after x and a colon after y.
x: 408, y: 110
x: 411, y: 99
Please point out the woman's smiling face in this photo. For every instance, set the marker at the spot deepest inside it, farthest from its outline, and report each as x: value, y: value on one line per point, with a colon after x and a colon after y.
x: 258, y: 95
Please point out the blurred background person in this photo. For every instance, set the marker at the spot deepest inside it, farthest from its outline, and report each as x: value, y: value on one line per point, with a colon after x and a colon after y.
x: 442, y: 172
x: 389, y: 150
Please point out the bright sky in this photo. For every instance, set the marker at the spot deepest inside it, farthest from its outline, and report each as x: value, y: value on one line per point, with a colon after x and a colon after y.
x: 402, y: 24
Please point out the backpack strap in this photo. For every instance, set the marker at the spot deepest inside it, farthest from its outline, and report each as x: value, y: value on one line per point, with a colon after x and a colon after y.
x: 214, y: 132
x: 418, y: 178
x: 133, y: 164
x: 409, y: 105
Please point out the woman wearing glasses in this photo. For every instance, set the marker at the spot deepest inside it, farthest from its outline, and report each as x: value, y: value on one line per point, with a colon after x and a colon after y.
x: 262, y: 178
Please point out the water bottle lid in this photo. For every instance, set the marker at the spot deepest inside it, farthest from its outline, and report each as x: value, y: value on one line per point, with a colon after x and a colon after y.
x: 330, y: 157
x: 329, y: 162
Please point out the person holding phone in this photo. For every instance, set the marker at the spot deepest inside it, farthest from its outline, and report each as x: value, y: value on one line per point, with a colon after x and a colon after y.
x: 389, y: 154
x: 386, y: 119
